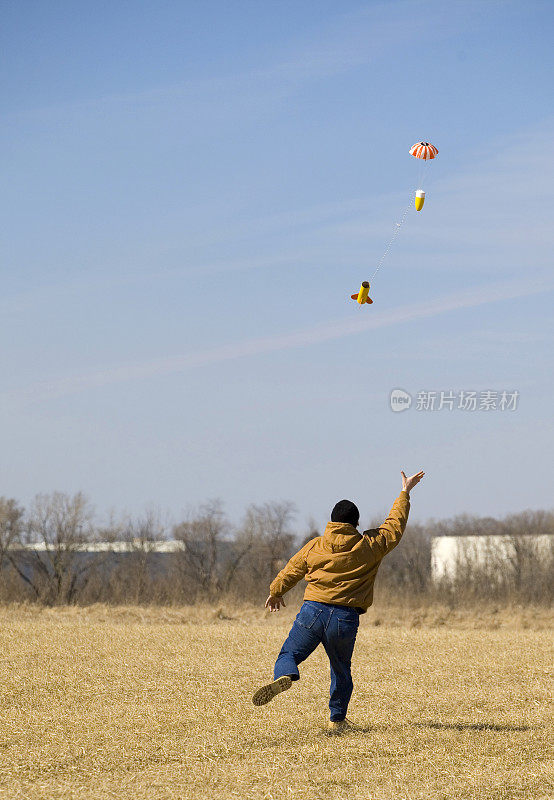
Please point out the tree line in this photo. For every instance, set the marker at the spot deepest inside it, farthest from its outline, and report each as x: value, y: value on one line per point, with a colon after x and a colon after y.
x: 55, y: 552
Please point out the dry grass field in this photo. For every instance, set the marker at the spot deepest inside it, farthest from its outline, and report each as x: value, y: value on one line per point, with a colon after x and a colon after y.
x: 139, y: 704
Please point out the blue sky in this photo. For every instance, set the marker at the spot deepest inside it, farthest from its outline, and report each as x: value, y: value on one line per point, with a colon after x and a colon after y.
x: 193, y: 190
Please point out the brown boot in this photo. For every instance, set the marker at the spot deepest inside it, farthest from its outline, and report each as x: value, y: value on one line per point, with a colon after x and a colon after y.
x: 271, y: 690
x: 341, y: 726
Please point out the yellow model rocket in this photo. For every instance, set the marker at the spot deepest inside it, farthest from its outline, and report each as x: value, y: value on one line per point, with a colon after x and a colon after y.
x: 419, y: 199
x: 362, y: 296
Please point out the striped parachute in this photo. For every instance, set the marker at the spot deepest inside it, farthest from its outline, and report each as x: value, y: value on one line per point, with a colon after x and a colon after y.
x: 424, y: 150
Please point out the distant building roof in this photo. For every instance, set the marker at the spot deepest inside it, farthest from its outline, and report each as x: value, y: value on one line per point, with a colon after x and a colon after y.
x: 168, y: 546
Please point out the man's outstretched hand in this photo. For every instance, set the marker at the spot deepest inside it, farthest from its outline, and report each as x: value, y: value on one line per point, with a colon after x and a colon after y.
x: 274, y: 603
x: 409, y: 483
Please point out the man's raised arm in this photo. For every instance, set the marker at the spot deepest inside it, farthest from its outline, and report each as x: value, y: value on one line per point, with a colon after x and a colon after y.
x: 385, y: 538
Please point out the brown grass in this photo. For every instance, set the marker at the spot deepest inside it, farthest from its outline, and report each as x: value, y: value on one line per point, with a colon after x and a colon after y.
x: 155, y: 703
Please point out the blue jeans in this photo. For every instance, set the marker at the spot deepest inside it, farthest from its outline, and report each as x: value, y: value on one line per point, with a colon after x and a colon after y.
x: 333, y: 626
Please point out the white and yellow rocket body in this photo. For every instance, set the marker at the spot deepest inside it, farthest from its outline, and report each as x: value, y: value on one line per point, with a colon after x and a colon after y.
x: 419, y: 199
x: 362, y: 296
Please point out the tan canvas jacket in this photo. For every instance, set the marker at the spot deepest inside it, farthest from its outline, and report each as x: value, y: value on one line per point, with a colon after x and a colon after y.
x: 340, y: 566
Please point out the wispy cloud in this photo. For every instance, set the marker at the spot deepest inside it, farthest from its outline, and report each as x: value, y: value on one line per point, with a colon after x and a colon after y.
x: 371, y: 320
x: 353, y: 39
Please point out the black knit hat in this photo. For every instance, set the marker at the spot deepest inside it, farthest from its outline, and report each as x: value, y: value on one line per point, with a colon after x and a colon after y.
x: 346, y: 511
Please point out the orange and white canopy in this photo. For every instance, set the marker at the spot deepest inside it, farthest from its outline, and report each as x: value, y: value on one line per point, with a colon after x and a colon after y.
x: 424, y: 150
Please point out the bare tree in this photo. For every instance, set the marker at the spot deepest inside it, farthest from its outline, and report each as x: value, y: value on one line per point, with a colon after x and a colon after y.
x: 529, y: 559
x: 136, y: 574
x: 266, y: 536
x: 408, y: 568
x: 11, y: 526
x: 206, y: 561
x: 55, y: 564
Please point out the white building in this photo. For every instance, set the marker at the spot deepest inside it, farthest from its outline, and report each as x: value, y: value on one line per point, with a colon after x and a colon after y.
x: 452, y: 554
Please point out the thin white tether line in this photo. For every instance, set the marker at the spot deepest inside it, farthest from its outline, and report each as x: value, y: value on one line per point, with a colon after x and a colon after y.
x: 398, y: 225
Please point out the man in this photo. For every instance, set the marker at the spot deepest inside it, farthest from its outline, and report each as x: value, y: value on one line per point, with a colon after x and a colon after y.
x: 340, y: 569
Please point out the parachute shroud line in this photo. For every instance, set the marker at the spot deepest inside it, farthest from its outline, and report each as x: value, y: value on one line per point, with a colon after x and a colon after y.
x: 397, y: 228
x: 424, y: 152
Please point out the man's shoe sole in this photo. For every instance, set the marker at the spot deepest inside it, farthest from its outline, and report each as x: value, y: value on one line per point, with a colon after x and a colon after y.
x: 267, y: 693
